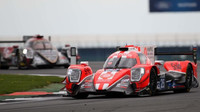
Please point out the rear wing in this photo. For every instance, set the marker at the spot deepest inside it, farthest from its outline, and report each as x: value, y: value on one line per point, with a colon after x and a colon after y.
x: 25, y: 38
x: 192, y: 52
x: 12, y: 41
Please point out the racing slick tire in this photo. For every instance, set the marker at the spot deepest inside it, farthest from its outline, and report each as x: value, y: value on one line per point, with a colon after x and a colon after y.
x: 188, y: 81
x: 3, y: 66
x: 81, y: 96
x: 115, y: 95
x: 153, y: 83
x: 66, y: 66
x: 18, y: 65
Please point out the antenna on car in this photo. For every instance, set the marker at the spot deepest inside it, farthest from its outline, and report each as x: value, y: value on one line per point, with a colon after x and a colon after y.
x: 49, y: 38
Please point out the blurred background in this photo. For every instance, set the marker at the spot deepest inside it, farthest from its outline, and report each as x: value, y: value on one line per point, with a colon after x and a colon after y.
x: 96, y: 27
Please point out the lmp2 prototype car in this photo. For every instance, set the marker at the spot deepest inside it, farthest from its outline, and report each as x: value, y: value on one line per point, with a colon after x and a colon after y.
x: 132, y: 70
x: 37, y: 52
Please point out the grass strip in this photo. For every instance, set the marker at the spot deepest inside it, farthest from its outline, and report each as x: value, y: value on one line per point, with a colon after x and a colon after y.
x: 16, y: 83
x: 55, y: 87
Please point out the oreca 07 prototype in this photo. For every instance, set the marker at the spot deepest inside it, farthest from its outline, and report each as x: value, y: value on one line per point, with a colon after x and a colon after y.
x: 36, y: 52
x: 132, y: 70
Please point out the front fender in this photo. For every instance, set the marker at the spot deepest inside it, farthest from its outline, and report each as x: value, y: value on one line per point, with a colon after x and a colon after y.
x: 86, y: 72
x: 145, y: 79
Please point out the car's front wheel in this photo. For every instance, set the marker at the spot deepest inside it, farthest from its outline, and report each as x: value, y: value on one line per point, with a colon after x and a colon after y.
x: 153, y: 82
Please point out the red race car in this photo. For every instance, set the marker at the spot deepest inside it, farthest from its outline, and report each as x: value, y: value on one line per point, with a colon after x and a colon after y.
x: 132, y: 70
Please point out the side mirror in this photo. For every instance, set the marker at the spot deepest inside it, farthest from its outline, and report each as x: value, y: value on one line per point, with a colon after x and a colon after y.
x: 73, y: 51
x: 159, y: 62
x: 73, y: 60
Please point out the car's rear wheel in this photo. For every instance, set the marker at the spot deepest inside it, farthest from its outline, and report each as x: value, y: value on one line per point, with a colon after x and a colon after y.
x: 153, y: 82
x: 188, y: 81
x: 81, y: 96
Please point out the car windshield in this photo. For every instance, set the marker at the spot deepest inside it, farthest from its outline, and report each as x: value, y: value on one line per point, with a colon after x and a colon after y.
x: 114, y: 63
x: 48, y: 45
x: 39, y: 45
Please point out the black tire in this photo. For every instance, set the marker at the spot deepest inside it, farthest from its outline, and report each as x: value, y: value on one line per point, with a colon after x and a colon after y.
x: 0, y: 60
x: 81, y: 96
x: 188, y: 81
x: 115, y: 95
x: 18, y: 65
x: 66, y: 66
x: 18, y: 61
x: 4, y: 67
x: 153, y: 83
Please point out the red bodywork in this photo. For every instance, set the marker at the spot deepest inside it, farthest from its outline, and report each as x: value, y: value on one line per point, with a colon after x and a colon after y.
x: 180, y: 66
x: 6, y: 52
x: 85, y: 71
x: 106, y: 79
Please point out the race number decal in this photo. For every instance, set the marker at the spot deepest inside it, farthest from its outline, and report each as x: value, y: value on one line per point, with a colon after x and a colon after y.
x: 162, y: 82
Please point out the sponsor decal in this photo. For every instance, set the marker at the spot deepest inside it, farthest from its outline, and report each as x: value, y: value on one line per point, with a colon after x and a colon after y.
x: 176, y: 66
x: 104, y: 79
x: 106, y: 76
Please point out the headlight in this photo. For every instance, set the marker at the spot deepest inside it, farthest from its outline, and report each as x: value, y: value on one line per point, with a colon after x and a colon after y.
x: 137, y: 73
x: 74, y: 75
x: 28, y: 53
x: 25, y: 51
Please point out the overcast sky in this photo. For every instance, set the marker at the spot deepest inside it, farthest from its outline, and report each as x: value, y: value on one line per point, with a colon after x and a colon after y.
x: 72, y: 17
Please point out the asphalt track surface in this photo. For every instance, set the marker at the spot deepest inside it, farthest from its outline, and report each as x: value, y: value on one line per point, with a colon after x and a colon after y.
x: 50, y: 71
x: 163, y: 102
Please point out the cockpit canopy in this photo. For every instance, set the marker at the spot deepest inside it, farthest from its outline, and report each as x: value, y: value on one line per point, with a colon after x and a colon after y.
x: 121, y: 59
x: 39, y: 44
x: 115, y: 63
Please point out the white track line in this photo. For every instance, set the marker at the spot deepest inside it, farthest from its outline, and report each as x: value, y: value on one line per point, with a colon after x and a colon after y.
x: 62, y: 76
x: 20, y: 100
